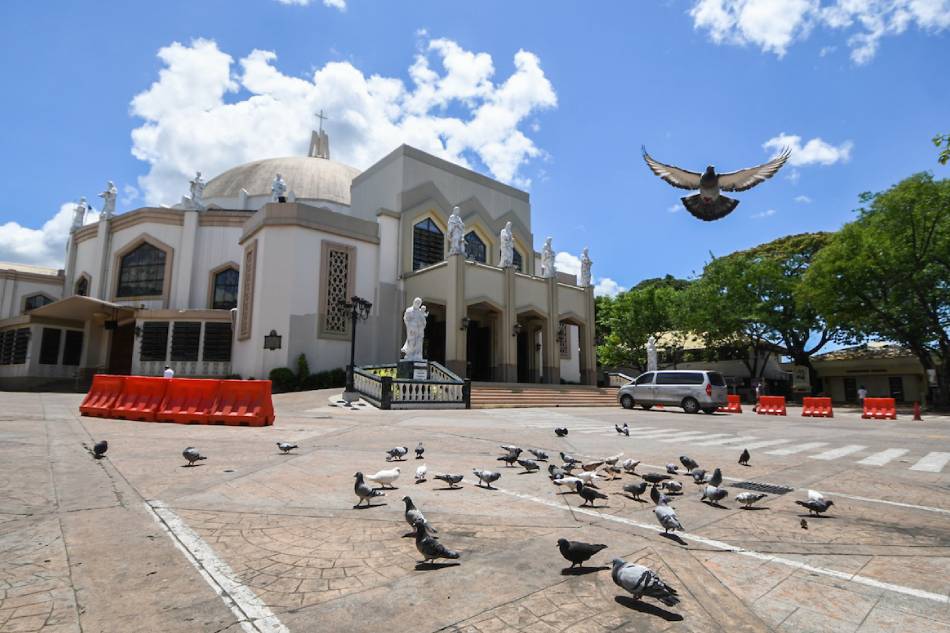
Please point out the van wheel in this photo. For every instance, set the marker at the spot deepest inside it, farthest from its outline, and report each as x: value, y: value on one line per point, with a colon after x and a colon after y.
x: 646, y: 407
x: 626, y: 401
x: 690, y: 405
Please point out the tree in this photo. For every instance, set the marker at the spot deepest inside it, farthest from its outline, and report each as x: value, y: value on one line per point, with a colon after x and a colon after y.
x: 648, y: 309
x: 943, y: 140
x: 887, y: 274
x: 751, y: 300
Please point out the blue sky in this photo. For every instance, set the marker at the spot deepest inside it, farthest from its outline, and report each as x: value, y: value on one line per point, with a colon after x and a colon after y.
x: 696, y: 81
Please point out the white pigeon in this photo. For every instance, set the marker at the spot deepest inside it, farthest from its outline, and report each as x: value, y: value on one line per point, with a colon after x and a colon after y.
x: 421, y: 473
x: 747, y: 499
x: 613, y: 459
x: 667, y: 517
x: 630, y: 465
x: 385, y: 477
x: 588, y: 477
x: 814, y: 495
x: 570, y: 482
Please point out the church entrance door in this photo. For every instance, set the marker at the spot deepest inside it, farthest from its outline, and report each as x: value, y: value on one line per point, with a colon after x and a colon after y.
x: 478, y: 346
x: 524, y: 369
x: 120, y: 353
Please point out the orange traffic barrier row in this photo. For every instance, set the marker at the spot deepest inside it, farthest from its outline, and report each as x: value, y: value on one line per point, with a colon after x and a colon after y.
x: 817, y: 408
x: 182, y: 400
x: 879, y: 409
x: 734, y: 406
x: 771, y: 405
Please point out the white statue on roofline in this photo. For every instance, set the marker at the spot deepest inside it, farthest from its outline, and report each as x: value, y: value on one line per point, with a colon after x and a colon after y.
x: 456, y: 233
x: 507, y: 258
x: 548, y: 269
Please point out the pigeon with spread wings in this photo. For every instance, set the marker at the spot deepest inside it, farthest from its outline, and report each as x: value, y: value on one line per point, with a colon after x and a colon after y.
x: 709, y: 204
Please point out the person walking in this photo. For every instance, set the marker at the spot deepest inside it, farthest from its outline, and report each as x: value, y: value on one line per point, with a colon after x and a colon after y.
x: 758, y: 396
x: 862, y: 394
x: 169, y: 372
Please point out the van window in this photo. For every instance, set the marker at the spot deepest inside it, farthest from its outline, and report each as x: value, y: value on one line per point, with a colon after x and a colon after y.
x: 645, y: 379
x: 716, y: 379
x: 679, y: 378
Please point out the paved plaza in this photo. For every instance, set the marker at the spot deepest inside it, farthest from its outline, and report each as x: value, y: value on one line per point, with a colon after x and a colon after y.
x: 253, y: 540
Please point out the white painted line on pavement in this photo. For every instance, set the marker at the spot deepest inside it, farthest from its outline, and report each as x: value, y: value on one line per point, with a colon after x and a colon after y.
x: 685, y: 436
x: 728, y: 440
x: 835, y: 453
x: 702, y: 436
x: 932, y: 462
x: 798, y: 448
x: 720, y: 545
x: 879, y: 459
x: 253, y: 615
x: 755, y: 445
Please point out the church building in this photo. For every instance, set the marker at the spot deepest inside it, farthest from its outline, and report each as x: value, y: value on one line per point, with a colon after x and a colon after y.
x: 249, y: 271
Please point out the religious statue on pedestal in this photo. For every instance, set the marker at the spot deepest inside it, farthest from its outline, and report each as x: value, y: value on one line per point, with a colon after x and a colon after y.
x: 79, y: 214
x: 507, y: 258
x: 651, y: 354
x: 415, y: 320
x: 108, y: 201
x: 585, y: 268
x: 278, y: 189
x: 456, y: 233
x: 548, y: 270
x: 197, y: 188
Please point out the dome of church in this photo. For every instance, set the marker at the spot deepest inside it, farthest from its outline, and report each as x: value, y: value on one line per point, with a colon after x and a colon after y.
x: 309, y: 178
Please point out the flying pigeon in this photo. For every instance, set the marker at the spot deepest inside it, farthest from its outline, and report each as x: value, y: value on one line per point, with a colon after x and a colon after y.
x: 421, y: 473
x: 688, y: 463
x: 745, y: 457
x: 414, y: 515
x: 486, y: 477
x: 420, y: 449
x: 99, y: 449
x: 816, y: 506
x: 588, y: 494
x: 192, y: 455
x: 716, y: 477
x: 450, y: 478
x: 397, y: 453
x: 641, y: 581
x: 560, y: 431
x: 709, y: 204
x: 654, y: 478
x: 672, y: 469
x: 539, y: 455
x: 385, y: 477
x: 672, y: 486
x: 429, y: 546
x: 635, y: 489
x: 667, y: 517
x: 748, y: 499
x: 630, y: 465
x: 286, y: 447
x: 529, y: 465
x: 363, y: 491
x: 576, y: 552
x: 714, y: 494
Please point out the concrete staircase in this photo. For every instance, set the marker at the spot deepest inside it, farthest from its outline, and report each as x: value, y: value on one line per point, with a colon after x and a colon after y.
x: 493, y: 395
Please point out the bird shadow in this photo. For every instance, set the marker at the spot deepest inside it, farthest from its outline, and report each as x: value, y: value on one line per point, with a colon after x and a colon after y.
x: 754, y: 508
x: 746, y: 465
x: 582, y: 570
x: 449, y: 488
x: 527, y: 472
x: 635, y: 499
x: 649, y: 609
x: 386, y: 488
x: 368, y: 506
x: 422, y: 566
x: 816, y: 516
x: 673, y: 537
x: 715, y: 505
x: 191, y: 465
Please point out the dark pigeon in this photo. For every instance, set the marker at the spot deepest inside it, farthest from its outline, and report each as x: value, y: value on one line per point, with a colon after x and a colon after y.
x: 429, y: 546
x: 560, y: 432
x: 699, y: 476
x: 716, y: 478
x: 576, y: 552
x: 589, y: 494
x: 816, y: 506
x: 658, y: 497
x: 654, y: 478
x: 745, y: 457
x: 397, y: 453
x: 509, y: 459
x: 450, y: 478
x: 420, y: 449
x: 192, y: 455
x: 529, y: 465
x: 556, y: 472
x: 569, y: 459
x: 99, y: 449
x: 364, y: 491
x: 635, y: 489
x: 539, y: 455
x: 414, y: 515
x: 688, y: 463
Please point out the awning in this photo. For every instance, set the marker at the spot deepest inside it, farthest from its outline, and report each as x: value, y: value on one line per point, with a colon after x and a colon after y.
x: 78, y: 308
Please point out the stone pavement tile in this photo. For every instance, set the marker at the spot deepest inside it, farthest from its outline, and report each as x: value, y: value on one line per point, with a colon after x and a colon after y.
x: 833, y: 602
x: 772, y: 611
x: 748, y: 578
x: 927, y: 573
x: 882, y: 620
x: 808, y: 621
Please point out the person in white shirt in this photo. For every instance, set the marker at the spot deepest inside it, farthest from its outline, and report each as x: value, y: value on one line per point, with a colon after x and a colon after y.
x: 862, y: 394
x: 169, y: 372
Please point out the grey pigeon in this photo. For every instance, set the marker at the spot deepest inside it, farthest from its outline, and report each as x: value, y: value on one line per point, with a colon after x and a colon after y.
x: 99, y: 449
x: 429, y: 546
x: 744, y: 457
x: 414, y: 515
x: 589, y: 494
x: 577, y: 552
x: 709, y: 204
x: 192, y: 455
x: 529, y: 465
x: 592, y: 466
x: 672, y: 469
x: 658, y: 497
x: 486, y: 477
x: 420, y: 449
x: 396, y: 453
x: 623, y: 430
x: 364, y: 491
x: 667, y: 518
x: 672, y: 486
x: 640, y: 581
x: 569, y: 459
x: 699, y: 476
x: 688, y: 463
x: 450, y: 478
x: 716, y: 478
x: 816, y: 506
x: 747, y: 499
x: 286, y: 447
x: 636, y: 489
x: 509, y: 459
x: 511, y: 448
x: 654, y: 478
x: 556, y: 472
x: 560, y: 432
x: 630, y: 465
x: 539, y: 455
x: 714, y: 494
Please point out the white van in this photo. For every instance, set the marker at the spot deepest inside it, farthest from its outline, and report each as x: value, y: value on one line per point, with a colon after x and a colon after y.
x: 693, y: 390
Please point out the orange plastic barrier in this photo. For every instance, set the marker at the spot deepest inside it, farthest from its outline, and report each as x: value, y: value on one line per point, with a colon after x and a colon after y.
x: 817, y: 408
x: 188, y: 400
x: 243, y: 403
x: 102, y: 394
x: 734, y: 406
x: 880, y: 409
x: 140, y: 398
x: 771, y: 405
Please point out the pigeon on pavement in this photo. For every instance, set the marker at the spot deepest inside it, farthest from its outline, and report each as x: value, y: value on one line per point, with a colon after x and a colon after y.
x: 714, y: 494
x: 363, y: 491
x: 592, y: 466
x: 688, y: 463
x: 804, y: 524
x: 658, y: 497
x: 667, y: 518
x: 588, y: 477
x: 641, y: 581
x: 748, y: 499
x: 556, y: 472
x: 397, y: 453
x: 716, y: 477
x: 451, y: 479
x: 385, y: 477
x: 560, y: 431
x: 192, y: 455
x: 630, y: 465
x: 99, y: 449
x: 569, y: 459
x: 816, y: 506
x: 429, y: 546
x: 613, y: 459
x: 672, y: 486
x: 420, y: 449
x: 510, y: 448
x: 635, y: 488
x: 529, y: 465
x: 709, y: 204
x: 286, y: 447
x: 654, y: 478
x: 699, y: 476
x: 588, y: 494
x: 421, y: 472
x: 623, y: 430
x: 673, y: 469
x: 539, y: 455
x: 576, y: 552
x: 486, y: 477
x: 414, y: 515
x: 509, y: 459
x: 744, y: 457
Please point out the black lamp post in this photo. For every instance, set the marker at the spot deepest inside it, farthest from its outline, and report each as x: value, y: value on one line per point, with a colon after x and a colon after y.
x: 359, y: 311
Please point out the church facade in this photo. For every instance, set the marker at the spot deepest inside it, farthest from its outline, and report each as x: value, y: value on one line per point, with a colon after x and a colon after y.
x: 268, y: 250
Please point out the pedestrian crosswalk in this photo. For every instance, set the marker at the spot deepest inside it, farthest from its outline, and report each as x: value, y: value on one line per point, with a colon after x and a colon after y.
x: 933, y: 462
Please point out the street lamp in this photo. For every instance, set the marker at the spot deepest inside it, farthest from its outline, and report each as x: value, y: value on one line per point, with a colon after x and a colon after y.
x: 359, y: 311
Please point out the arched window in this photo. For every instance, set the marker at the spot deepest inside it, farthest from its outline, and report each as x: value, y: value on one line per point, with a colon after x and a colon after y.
x: 428, y: 244
x: 82, y: 287
x: 35, y: 301
x: 516, y: 260
x: 475, y: 248
x: 142, y: 272
x: 225, y: 292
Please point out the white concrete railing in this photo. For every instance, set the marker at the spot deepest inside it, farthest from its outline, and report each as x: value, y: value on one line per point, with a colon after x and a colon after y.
x: 443, y: 389
x: 185, y: 368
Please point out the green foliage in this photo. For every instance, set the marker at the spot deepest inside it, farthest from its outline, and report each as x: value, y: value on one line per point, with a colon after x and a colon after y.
x: 330, y: 379
x: 303, y: 368
x: 283, y: 379
x: 943, y: 140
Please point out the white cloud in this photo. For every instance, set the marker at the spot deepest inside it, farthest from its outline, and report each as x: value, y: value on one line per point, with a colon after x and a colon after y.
x: 335, y: 4
x: 674, y: 208
x: 815, y: 151
x: 129, y: 193
x: 190, y: 123
x: 566, y: 263
x: 45, y: 246
x: 774, y: 25
x: 803, y: 199
x: 607, y: 287
x: 763, y: 214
